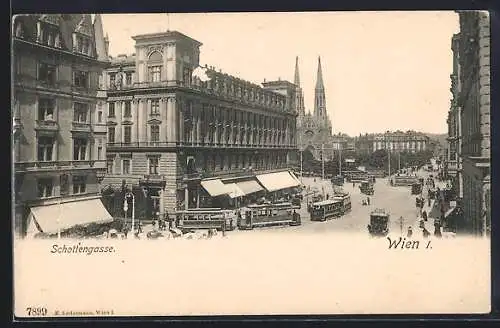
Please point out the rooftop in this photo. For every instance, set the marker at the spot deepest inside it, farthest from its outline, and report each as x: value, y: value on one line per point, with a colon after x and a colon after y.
x: 175, y: 35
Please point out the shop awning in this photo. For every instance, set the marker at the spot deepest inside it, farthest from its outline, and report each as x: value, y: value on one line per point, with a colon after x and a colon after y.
x: 295, y: 177
x: 249, y: 187
x: 214, y: 187
x: 59, y: 217
x: 234, y: 190
x: 277, y: 181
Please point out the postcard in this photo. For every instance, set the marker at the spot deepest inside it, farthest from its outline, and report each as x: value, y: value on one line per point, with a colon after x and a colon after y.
x: 251, y: 164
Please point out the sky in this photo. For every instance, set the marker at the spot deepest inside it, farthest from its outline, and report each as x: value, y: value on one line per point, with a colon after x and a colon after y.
x: 381, y: 70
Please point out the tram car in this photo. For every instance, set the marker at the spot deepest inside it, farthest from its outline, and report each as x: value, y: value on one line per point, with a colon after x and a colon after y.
x: 326, y: 209
x: 207, y: 218
x: 379, y: 223
x: 345, y: 198
x: 253, y: 216
x: 366, y: 187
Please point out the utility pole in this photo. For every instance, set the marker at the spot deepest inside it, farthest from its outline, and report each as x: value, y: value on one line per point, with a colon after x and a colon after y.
x: 399, y: 161
x: 401, y: 224
x: 389, y: 162
x: 300, y: 145
x: 340, y: 161
x: 323, y: 161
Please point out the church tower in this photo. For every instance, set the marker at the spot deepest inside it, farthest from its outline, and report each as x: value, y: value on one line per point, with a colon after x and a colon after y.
x: 299, y: 94
x: 319, y: 95
x: 320, y: 112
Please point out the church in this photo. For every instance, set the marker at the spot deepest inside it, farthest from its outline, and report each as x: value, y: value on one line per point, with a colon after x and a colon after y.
x: 315, y: 130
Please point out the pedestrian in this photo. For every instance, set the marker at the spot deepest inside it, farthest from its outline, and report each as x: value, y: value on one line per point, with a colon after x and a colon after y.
x: 125, y: 230
x: 426, y: 233
x: 410, y: 232
x: 139, y: 227
x: 368, y: 200
x: 424, y: 215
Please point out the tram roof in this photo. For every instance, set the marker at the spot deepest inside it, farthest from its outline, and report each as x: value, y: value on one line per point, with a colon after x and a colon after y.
x: 326, y: 202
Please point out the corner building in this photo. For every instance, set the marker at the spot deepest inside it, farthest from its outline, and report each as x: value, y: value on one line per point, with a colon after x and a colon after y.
x: 58, y: 135
x: 180, y: 138
x: 474, y: 105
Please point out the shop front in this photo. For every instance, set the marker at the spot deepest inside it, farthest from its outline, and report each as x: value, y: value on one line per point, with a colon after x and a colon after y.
x: 278, y: 184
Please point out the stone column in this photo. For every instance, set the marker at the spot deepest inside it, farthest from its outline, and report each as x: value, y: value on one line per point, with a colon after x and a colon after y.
x: 198, y: 123
x: 162, y: 202
x: 142, y: 128
x: 135, y: 118
x: 179, y: 108
x: 186, y: 198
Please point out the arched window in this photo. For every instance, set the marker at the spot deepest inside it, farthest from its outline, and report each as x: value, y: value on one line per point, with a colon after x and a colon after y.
x: 155, y: 56
x: 155, y: 66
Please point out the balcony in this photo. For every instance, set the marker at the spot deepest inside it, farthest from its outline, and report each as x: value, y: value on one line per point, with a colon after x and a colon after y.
x: 47, y: 125
x: 81, y: 127
x: 153, y: 180
x: 59, y: 165
x: 193, y: 145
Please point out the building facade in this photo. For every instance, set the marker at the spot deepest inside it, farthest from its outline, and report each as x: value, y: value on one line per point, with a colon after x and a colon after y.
x: 178, y: 135
x: 398, y: 141
x: 58, y: 143
x: 474, y: 106
x: 453, y: 164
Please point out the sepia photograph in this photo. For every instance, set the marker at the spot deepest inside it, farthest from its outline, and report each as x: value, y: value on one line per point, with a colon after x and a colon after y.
x: 298, y: 163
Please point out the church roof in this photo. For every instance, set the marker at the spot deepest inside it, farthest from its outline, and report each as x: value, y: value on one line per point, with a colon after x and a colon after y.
x: 319, y: 76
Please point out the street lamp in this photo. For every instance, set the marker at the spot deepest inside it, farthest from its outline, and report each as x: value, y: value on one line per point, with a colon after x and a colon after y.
x: 125, y: 208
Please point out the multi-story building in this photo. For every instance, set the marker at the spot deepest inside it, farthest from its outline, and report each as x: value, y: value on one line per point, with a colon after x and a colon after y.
x: 182, y: 133
x: 453, y: 160
x: 398, y: 141
x: 58, y: 145
x: 474, y: 105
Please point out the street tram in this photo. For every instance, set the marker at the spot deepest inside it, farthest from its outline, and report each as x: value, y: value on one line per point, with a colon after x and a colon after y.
x: 326, y: 209
x: 379, y: 223
x: 206, y: 218
x: 366, y: 187
x: 263, y: 215
x: 345, y: 198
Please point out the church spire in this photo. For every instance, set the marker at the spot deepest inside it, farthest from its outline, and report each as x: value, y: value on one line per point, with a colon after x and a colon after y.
x: 299, y: 95
x: 100, y: 40
x: 319, y: 96
x: 297, y: 76
x: 319, y: 76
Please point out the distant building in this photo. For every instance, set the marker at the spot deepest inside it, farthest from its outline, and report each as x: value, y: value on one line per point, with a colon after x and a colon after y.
x: 182, y: 137
x: 59, y: 143
x: 474, y: 104
x: 398, y: 141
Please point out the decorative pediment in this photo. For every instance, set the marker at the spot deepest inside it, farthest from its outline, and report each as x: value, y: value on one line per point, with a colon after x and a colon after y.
x: 154, y: 121
x: 83, y: 28
x: 127, y: 122
x: 52, y: 19
x: 158, y: 49
x: 111, y: 123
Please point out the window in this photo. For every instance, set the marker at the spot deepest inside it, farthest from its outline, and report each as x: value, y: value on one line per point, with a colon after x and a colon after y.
x: 45, y: 148
x: 46, y: 109
x: 187, y: 77
x: 79, y: 184
x: 49, y: 35
x: 111, y: 109
x: 99, y: 116
x: 82, y: 44
x: 47, y: 73
x: 112, y: 78
x: 19, y: 30
x: 79, y: 149
x: 128, y: 78
x: 99, y: 152
x: 45, y: 187
x: 109, y: 165
x: 153, y: 165
x: 155, y: 73
x: 80, y: 112
x: 111, y: 134
x: 155, y: 107
x: 155, y: 133
x: 128, y: 109
x: 127, y: 134
x: 80, y: 79
x: 125, y: 166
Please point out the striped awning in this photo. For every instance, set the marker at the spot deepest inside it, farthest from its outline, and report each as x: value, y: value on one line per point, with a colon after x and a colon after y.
x: 214, y: 187
x: 277, y: 181
x: 234, y: 190
x: 249, y: 187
